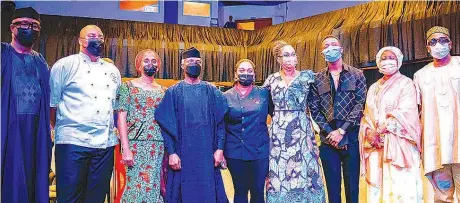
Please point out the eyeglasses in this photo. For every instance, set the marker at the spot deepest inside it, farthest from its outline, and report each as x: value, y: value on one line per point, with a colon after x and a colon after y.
x: 27, y: 25
x: 93, y: 38
x: 441, y: 40
x: 286, y: 55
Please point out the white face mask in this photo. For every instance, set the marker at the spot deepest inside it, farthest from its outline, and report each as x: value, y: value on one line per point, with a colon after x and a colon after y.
x: 388, y: 67
x: 439, y: 51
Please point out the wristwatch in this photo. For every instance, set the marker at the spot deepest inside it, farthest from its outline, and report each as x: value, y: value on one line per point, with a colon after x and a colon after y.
x: 341, y: 131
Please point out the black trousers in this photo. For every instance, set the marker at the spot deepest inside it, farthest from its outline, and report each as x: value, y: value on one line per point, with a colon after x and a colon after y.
x: 248, y: 176
x: 333, y: 161
x: 83, y: 174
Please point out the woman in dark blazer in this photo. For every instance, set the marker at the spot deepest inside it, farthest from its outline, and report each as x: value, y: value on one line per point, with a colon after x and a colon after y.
x: 247, y: 142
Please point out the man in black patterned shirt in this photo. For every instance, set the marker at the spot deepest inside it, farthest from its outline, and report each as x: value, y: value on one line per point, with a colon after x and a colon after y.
x: 336, y: 104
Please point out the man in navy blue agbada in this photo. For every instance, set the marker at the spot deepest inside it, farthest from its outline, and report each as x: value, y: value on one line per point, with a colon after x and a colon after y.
x: 191, y: 116
x: 26, y: 141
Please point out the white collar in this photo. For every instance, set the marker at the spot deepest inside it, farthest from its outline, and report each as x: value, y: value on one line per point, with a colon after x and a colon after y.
x: 86, y: 57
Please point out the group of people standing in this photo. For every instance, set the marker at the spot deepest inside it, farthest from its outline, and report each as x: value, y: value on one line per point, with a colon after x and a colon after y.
x: 198, y: 130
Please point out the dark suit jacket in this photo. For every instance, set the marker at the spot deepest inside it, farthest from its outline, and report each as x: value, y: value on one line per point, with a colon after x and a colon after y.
x: 342, y: 108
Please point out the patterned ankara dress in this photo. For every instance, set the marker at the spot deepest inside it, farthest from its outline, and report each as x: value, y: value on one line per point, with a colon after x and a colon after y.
x: 146, y: 143
x: 295, y: 172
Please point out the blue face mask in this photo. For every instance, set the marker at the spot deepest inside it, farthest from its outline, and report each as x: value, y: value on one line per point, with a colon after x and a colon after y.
x: 332, y: 53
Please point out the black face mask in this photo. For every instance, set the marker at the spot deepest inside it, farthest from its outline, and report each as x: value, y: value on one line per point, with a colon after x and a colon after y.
x: 150, y: 70
x: 95, y: 46
x: 193, y: 70
x: 245, y: 79
x: 27, y: 37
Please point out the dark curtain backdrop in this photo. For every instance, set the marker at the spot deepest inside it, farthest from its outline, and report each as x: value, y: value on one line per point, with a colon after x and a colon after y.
x: 362, y: 29
x: 220, y: 48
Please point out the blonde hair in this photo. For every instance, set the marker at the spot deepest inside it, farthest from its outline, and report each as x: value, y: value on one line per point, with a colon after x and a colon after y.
x: 278, y: 47
x: 140, y: 56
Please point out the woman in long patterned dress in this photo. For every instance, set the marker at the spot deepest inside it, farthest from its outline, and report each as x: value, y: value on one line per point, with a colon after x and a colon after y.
x: 390, y: 135
x: 141, y: 140
x: 295, y: 172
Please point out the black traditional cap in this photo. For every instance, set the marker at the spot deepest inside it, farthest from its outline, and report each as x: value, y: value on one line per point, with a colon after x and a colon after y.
x: 28, y: 12
x: 191, y: 52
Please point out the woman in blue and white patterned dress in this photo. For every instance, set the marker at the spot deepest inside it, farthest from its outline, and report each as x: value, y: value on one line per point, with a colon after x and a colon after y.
x: 295, y: 172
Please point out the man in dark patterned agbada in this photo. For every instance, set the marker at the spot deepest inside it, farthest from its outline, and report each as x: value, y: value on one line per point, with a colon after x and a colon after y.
x: 26, y: 140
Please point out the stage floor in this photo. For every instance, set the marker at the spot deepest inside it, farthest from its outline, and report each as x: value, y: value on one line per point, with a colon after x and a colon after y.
x: 428, y: 190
